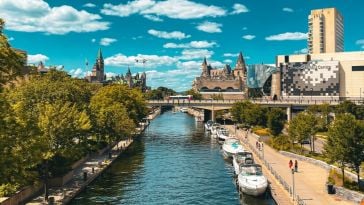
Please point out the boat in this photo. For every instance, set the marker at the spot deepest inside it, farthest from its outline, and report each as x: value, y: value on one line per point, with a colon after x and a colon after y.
x: 184, y: 109
x: 214, y: 128
x: 222, y: 134
x: 231, y: 147
x: 251, y: 180
x: 208, y: 125
x: 242, y: 158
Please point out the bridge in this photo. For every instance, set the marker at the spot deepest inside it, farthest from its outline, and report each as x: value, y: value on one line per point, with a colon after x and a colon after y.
x: 215, y: 105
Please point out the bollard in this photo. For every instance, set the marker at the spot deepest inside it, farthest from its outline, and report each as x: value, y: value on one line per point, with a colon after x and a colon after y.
x: 84, y: 176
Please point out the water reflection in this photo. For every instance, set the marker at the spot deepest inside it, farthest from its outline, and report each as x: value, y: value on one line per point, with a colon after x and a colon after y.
x: 173, y: 163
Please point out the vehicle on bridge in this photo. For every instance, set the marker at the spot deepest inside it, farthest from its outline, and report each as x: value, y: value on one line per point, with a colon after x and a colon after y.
x: 180, y: 97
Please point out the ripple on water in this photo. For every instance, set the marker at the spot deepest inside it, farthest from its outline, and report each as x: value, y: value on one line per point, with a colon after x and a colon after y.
x: 173, y: 163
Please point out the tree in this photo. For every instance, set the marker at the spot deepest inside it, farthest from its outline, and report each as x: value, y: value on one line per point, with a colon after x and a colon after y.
x: 302, y: 127
x: 345, y: 140
x: 249, y: 113
x: 323, y: 110
x: 275, y: 120
x: 160, y: 93
x: 11, y: 61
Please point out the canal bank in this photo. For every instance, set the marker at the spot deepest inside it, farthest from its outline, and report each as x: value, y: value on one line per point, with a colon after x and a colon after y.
x: 174, y: 162
x: 91, y: 168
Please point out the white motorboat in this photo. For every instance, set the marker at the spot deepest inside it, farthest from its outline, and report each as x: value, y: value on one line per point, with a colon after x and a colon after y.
x: 214, y: 128
x: 222, y: 134
x: 184, y: 109
x: 251, y: 180
x: 242, y: 158
x: 208, y: 125
x: 231, y: 147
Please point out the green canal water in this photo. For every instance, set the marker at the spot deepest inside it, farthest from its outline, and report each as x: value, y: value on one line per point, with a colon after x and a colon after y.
x: 174, y: 162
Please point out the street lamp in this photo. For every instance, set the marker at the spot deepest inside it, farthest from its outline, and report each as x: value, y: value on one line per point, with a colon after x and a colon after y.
x: 292, y: 183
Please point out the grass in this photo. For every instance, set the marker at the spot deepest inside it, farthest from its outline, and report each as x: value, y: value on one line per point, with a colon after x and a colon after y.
x: 336, y: 179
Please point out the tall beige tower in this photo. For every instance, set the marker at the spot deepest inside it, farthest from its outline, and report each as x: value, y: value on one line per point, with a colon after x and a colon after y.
x: 325, y: 31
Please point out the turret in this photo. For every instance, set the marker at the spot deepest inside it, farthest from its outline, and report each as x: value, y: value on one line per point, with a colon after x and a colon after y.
x: 205, y: 70
x: 240, y: 68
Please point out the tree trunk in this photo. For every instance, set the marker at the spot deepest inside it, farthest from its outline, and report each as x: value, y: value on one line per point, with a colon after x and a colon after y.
x: 343, y: 173
x: 313, y: 143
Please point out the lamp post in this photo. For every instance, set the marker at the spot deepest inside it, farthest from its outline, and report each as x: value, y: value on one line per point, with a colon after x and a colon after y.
x: 292, y: 183
x: 311, y: 93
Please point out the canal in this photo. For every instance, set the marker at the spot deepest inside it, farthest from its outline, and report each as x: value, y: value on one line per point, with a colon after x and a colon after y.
x: 174, y: 162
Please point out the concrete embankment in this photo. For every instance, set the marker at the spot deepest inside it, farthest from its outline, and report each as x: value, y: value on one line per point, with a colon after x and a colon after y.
x: 198, y: 114
x: 88, y: 171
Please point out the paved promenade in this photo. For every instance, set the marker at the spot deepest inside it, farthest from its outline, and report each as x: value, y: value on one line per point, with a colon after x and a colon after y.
x: 309, y: 180
x: 63, y: 195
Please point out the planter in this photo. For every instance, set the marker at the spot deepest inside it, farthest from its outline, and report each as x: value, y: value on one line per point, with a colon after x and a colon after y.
x: 330, y: 189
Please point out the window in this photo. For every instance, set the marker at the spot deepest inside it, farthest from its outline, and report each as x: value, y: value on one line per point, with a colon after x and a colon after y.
x: 357, y: 68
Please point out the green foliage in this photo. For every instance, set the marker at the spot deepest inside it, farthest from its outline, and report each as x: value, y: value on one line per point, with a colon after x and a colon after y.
x: 195, y: 95
x: 352, y: 108
x: 302, y: 127
x: 160, y: 93
x: 8, y: 189
x: 11, y: 61
x: 275, y: 120
x: 280, y: 142
x: 249, y: 113
x: 217, y: 96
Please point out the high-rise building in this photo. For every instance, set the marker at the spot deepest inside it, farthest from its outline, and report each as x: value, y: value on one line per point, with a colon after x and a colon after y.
x: 325, y: 31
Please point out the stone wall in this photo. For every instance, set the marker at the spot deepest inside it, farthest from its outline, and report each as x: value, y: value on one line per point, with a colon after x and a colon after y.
x: 23, y: 195
x: 226, y: 96
x: 223, y: 84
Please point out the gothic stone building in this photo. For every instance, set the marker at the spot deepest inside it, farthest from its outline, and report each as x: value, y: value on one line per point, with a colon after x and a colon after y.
x: 137, y: 80
x: 97, y: 74
x: 222, y: 80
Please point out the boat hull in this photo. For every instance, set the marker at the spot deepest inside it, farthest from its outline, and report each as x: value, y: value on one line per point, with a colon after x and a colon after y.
x: 254, y: 186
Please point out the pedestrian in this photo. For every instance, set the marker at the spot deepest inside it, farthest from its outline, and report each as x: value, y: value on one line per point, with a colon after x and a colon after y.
x: 290, y: 164
x: 256, y: 145
x: 295, y: 166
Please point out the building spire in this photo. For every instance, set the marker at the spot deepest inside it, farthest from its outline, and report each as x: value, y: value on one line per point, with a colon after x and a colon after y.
x: 99, y: 54
x: 204, y: 61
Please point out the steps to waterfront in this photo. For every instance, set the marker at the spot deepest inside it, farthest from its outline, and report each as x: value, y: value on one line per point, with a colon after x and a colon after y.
x: 310, y: 180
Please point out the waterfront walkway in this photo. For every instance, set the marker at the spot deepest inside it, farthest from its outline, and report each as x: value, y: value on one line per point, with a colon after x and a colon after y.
x: 93, y: 166
x: 309, y: 180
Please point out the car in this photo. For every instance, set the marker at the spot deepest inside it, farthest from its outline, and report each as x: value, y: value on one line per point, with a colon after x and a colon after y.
x: 306, y: 141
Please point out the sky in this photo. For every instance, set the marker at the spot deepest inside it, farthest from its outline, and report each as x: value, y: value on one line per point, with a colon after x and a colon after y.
x: 172, y: 35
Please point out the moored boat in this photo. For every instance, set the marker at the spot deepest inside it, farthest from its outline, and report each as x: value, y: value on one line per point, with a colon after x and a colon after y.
x: 214, y: 128
x: 184, y: 109
x: 231, y: 147
x: 251, y: 180
x: 242, y: 158
x: 208, y: 125
x: 222, y: 134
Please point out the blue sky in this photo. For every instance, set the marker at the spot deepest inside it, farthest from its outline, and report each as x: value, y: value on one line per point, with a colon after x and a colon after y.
x: 173, y: 35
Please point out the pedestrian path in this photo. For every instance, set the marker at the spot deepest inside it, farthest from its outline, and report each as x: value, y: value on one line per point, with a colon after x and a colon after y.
x: 93, y: 167
x: 309, y: 181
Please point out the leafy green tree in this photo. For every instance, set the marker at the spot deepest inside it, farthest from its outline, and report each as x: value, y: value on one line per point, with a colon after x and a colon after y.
x: 345, y: 139
x: 11, y: 61
x: 160, y: 93
x: 303, y: 127
x: 275, y: 120
x: 249, y: 113
x: 323, y: 110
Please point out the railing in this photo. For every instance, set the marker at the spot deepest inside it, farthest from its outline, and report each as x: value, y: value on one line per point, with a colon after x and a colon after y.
x: 287, y: 187
x: 258, y: 101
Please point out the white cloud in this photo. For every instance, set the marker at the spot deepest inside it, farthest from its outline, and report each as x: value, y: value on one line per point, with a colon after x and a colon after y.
x: 38, y: 16
x: 288, y: 10
x: 228, y: 61
x: 176, y: 9
x: 11, y: 38
x: 35, y: 59
x: 168, y: 35
x: 107, y: 41
x: 189, y: 65
x: 210, y: 27
x: 239, y: 8
x: 192, y: 44
x: 360, y: 42
x: 110, y: 74
x: 152, y: 60
x: 153, y: 18
x: 230, y: 54
x: 93, y: 40
x: 248, y: 37
x: 293, y: 36
x: 77, y: 73
x: 89, y: 5
x: 188, y: 54
x: 245, y: 28
x: 137, y: 37
x: 302, y: 51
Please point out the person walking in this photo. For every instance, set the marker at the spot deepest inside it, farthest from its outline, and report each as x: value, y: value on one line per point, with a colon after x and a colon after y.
x: 290, y: 164
x: 295, y: 166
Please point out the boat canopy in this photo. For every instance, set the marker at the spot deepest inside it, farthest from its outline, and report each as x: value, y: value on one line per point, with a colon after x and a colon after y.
x: 251, y: 169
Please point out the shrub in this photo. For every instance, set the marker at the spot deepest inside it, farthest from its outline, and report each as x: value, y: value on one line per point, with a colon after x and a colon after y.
x: 7, y: 190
